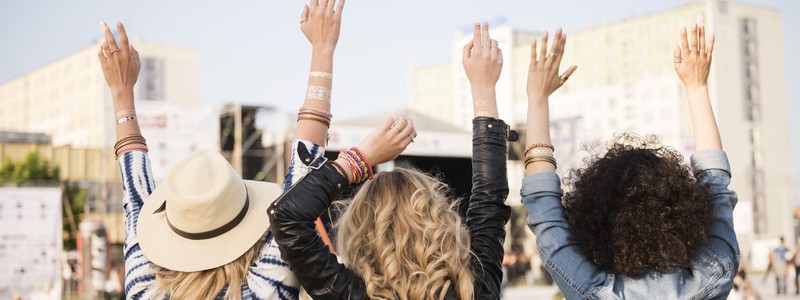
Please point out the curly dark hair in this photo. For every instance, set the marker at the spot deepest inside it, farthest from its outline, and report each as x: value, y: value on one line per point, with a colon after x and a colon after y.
x: 637, y: 207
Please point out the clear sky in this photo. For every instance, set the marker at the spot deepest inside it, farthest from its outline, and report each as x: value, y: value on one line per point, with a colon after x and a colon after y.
x: 253, y: 51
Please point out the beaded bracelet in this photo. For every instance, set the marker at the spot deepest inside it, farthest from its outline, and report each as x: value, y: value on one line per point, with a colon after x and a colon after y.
x: 363, y: 158
x: 358, y: 175
x: 136, y: 146
x: 340, y: 169
x: 322, y: 113
x: 540, y: 145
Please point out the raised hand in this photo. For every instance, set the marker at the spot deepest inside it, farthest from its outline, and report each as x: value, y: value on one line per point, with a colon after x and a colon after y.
x: 321, y: 23
x: 389, y: 140
x: 120, y: 63
x: 483, y: 59
x: 693, y: 57
x: 543, y: 74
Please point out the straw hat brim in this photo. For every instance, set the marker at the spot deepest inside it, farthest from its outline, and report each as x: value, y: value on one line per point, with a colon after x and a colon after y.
x: 167, y: 249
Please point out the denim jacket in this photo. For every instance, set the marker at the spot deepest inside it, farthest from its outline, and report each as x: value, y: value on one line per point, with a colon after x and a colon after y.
x: 710, y: 275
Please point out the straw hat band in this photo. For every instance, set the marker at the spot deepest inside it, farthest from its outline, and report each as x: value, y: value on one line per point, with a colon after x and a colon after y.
x: 211, y: 233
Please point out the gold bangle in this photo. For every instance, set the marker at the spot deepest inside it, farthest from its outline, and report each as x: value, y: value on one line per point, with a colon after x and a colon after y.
x: 127, y: 137
x: 315, y: 118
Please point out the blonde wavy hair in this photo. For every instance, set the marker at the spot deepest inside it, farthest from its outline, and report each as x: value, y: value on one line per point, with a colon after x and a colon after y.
x: 207, y: 284
x: 402, y: 235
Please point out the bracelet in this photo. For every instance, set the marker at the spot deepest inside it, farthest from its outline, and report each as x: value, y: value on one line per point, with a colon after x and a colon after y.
x: 129, y: 137
x: 321, y: 112
x: 126, y: 119
x: 127, y: 112
x: 321, y: 75
x: 129, y: 142
x: 363, y: 158
x: 340, y: 169
x: 541, y: 158
x: 354, y: 169
x: 131, y: 147
x: 313, y: 113
x: 541, y: 145
x: 324, y: 121
x: 318, y: 93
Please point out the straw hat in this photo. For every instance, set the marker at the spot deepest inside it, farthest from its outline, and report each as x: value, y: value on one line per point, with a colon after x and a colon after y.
x: 203, y: 215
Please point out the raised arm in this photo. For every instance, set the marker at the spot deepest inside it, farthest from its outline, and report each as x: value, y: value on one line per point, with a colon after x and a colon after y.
x: 120, y: 64
x: 320, y: 21
x: 487, y: 213
x: 576, y: 276
x: 693, y: 63
x: 710, y: 164
x: 543, y: 80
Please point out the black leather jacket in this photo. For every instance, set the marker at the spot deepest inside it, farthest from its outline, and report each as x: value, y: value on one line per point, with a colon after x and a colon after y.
x: 292, y: 219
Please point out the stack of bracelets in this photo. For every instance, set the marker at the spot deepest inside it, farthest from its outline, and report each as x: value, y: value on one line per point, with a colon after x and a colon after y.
x: 128, y: 143
x: 359, y: 166
x: 540, y: 152
x: 312, y: 114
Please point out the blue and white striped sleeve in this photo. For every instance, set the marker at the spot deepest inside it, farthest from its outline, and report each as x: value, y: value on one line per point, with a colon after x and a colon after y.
x: 137, y: 184
x: 270, y: 277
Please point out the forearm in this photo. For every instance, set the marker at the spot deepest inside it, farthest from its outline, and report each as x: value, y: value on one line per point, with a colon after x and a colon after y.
x: 124, y: 107
x: 538, y: 132
x: 319, y: 82
x: 706, y: 133
x: 485, y: 101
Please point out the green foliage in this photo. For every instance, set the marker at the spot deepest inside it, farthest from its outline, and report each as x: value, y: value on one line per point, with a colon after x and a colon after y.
x: 34, y: 168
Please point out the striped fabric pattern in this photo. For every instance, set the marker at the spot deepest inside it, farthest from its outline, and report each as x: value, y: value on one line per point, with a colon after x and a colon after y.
x: 269, y: 276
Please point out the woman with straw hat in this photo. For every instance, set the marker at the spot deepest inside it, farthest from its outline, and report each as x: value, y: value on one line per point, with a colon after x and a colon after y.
x: 204, y: 232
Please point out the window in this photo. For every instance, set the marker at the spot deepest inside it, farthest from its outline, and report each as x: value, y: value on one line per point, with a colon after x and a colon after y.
x: 151, y: 79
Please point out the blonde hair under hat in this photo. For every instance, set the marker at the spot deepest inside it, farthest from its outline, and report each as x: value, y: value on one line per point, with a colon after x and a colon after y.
x: 203, y: 215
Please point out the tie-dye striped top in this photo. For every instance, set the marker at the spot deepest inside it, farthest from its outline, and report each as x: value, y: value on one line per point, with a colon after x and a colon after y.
x: 269, y: 276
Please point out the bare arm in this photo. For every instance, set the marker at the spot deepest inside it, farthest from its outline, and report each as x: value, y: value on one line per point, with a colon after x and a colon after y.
x: 693, y: 63
x: 483, y: 61
x: 121, y: 66
x: 543, y: 80
x: 321, y: 24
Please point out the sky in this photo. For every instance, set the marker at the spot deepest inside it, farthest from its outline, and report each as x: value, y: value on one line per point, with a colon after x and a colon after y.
x: 253, y: 51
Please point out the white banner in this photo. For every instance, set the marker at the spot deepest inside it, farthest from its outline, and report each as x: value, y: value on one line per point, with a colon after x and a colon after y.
x: 30, y: 243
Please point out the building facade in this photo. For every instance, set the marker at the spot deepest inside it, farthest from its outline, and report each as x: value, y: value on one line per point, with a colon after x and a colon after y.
x: 69, y: 100
x: 626, y: 82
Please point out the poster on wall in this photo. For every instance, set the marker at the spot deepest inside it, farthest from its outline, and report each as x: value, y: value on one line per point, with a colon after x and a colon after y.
x: 30, y: 243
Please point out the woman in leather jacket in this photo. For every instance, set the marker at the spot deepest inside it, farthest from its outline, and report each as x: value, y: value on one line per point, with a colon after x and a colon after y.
x: 400, y: 237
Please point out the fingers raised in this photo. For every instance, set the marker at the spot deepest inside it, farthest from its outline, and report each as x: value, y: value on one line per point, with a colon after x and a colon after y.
x: 339, y: 8
x: 407, y: 133
x: 560, y: 48
x: 123, y: 40
x: 112, y: 43
x: 684, y: 42
x: 676, y: 54
x: 702, y: 45
x: 711, y: 46
x: 693, y: 39
x: 570, y: 70
x: 485, y: 40
x: 476, y: 35
x: 543, y: 47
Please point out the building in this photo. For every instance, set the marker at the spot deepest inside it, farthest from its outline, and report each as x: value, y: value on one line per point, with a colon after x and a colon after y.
x: 626, y: 82
x: 69, y: 100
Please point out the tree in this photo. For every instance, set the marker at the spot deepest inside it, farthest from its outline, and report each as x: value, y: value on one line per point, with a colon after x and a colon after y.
x: 33, y: 168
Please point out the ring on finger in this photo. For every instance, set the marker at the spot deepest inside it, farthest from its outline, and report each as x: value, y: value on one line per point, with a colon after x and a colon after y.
x: 564, y: 77
x: 411, y: 137
x: 114, y: 50
x: 677, y: 61
x: 494, y: 44
x: 303, y: 21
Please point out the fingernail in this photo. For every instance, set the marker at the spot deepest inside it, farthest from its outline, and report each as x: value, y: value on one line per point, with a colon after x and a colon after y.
x: 102, y: 24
